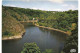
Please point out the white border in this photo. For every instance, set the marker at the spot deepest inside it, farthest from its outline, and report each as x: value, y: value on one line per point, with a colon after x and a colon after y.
x: 79, y: 26
x: 1, y: 26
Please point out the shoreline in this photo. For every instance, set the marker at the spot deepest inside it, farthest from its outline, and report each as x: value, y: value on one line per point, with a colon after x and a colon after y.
x: 19, y: 36
x: 52, y: 29
x: 13, y: 37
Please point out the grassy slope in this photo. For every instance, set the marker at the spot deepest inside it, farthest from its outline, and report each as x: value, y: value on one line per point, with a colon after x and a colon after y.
x: 10, y: 26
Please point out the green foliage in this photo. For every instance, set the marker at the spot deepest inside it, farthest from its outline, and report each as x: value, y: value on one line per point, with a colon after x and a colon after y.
x: 59, y: 20
x: 7, y: 33
x: 72, y: 40
x: 33, y: 48
x: 48, y: 51
x: 30, y: 48
x: 54, y: 19
x: 14, y: 12
x: 71, y: 43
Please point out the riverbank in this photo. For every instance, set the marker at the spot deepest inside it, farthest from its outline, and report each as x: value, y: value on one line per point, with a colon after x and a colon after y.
x: 52, y: 29
x: 13, y: 37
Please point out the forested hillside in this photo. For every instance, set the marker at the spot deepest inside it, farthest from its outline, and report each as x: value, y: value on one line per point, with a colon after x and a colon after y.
x: 53, y: 19
x: 10, y: 26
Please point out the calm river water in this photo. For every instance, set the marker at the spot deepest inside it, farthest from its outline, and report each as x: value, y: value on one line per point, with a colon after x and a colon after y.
x: 45, y: 39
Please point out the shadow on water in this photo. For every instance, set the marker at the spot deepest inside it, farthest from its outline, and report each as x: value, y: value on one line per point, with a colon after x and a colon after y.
x: 59, y: 38
x: 44, y: 38
x: 56, y: 34
x: 27, y: 24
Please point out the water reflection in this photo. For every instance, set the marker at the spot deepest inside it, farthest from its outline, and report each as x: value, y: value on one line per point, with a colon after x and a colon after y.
x: 56, y: 34
x: 45, y: 39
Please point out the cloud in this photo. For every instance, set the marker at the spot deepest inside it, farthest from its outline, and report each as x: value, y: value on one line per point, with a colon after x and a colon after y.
x: 56, y: 1
x: 70, y: 7
x: 34, y: 8
x: 38, y: 8
x: 47, y: 9
x: 73, y: 7
x: 56, y: 9
x: 27, y: 0
x: 65, y: 5
x: 10, y: 5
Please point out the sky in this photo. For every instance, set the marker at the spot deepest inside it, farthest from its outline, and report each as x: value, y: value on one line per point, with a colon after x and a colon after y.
x: 48, y: 5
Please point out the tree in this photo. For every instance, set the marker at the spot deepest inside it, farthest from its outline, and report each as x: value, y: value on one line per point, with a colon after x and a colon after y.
x: 30, y: 48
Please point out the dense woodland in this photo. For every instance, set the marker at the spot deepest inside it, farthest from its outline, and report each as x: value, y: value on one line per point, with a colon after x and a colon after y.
x: 58, y: 20
x: 66, y: 21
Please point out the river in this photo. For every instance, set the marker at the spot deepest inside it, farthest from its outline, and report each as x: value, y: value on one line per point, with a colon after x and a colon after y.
x: 44, y: 38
